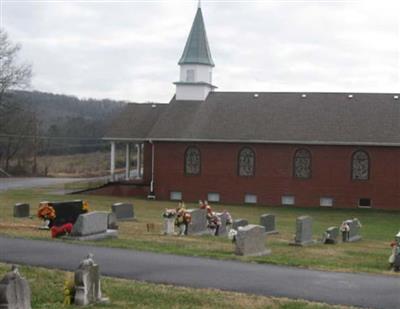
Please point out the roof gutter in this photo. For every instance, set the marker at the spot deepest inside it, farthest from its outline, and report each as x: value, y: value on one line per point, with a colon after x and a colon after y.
x: 255, y: 141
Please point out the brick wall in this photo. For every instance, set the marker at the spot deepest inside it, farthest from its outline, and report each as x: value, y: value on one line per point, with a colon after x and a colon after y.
x: 331, y: 175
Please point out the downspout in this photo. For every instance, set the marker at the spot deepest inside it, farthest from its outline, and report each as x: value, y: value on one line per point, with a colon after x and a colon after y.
x: 152, y: 195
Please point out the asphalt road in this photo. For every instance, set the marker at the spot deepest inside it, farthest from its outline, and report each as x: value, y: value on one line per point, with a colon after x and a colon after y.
x: 362, y: 290
x: 33, y: 182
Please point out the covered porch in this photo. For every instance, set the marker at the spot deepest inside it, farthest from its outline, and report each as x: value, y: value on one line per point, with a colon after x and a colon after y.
x: 131, y: 153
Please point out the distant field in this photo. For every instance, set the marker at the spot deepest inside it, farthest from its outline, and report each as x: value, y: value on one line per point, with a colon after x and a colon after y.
x: 369, y: 255
x: 79, y: 165
x: 47, y: 293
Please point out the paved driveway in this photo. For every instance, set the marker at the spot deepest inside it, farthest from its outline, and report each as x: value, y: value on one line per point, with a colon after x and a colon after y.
x: 362, y: 290
x: 35, y: 182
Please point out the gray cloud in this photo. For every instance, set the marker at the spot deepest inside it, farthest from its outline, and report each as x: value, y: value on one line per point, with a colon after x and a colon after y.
x: 129, y: 50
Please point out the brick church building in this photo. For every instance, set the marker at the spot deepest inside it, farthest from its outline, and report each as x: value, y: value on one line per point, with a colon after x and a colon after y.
x: 269, y: 148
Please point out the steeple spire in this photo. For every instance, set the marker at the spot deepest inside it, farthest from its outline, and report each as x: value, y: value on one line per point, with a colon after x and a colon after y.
x: 196, y: 64
x: 197, y: 50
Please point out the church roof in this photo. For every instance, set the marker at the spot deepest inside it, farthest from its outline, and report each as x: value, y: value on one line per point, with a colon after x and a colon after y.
x: 135, y: 121
x: 197, y: 50
x: 269, y: 117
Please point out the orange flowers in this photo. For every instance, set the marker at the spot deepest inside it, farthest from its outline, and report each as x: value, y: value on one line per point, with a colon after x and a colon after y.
x: 46, y: 212
x: 85, y: 206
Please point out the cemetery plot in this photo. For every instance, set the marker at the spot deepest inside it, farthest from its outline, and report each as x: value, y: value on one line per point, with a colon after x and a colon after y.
x: 371, y: 254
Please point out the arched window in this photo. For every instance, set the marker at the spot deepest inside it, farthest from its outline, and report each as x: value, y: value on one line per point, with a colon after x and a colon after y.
x: 360, y: 165
x: 302, y: 164
x: 192, y: 161
x: 247, y: 160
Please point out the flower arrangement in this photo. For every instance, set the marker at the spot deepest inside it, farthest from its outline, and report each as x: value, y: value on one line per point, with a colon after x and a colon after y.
x: 232, y: 235
x: 169, y: 213
x: 46, y: 212
x: 85, y: 206
x: 57, y: 231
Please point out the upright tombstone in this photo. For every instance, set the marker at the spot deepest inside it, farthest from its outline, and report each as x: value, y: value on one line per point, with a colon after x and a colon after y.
x: 169, y: 226
x: 198, y: 225
x: 87, y: 283
x: 14, y: 291
x: 239, y: 222
x: 350, y: 230
x: 92, y: 226
x: 331, y: 235
x: 224, y: 227
x: 112, y: 221
x: 123, y: 211
x: 250, y: 241
x: 67, y: 211
x: 268, y: 222
x: 21, y: 210
x: 303, y: 231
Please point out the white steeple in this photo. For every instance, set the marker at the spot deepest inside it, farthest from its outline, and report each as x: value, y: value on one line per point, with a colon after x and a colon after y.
x: 196, y: 64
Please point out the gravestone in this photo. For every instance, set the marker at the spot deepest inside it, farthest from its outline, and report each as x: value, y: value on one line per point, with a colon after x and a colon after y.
x: 331, y: 235
x: 169, y: 226
x: 268, y: 222
x: 250, y: 241
x: 239, y: 222
x: 92, y: 226
x: 67, y: 212
x: 112, y: 221
x: 198, y: 225
x: 223, y: 228
x: 14, y: 291
x: 87, y: 283
x: 21, y: 210
x: 352, y: 234
x: 303, y: 231
x: 123, y: 211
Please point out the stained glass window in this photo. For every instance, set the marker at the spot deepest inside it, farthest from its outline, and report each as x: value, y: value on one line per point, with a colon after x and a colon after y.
x: 247, y: 160
x: 302, y: 164
x: 360, y: 166
x: 192, y: 161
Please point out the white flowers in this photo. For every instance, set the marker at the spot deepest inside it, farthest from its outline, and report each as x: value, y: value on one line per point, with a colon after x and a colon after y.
x: 232, y: 234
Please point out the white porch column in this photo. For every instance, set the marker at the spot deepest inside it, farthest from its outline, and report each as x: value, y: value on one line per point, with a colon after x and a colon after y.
x: 112, y: 161
x: 139, y: 160
x: 127, y: 161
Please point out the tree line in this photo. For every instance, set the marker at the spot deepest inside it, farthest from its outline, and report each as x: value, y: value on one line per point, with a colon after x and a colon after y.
x: 34, y: 124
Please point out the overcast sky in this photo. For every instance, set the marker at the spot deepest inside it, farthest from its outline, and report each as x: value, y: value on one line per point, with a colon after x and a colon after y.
x: 128, y: 50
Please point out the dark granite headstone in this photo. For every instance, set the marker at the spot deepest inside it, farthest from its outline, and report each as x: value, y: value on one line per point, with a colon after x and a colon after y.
x: 123, y: 211
x: 21, y: 210
x: 268, y: 222
x: 14, y: 291
x: 67, y: 212
x: 239, y: 222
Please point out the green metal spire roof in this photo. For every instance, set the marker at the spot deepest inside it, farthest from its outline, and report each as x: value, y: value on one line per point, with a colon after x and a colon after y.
x: 197, y: 50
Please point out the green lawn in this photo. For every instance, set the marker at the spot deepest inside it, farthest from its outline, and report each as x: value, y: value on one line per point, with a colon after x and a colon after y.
x: 47, y: 293
x: 369, y: 255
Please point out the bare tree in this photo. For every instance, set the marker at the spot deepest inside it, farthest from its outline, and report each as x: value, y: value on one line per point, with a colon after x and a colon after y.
x: 13, y: 73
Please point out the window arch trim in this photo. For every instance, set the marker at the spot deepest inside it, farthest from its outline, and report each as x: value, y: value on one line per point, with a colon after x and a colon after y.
x: 185, y: 161
x: 253, y: 153
x: 368, y: 159
x: 309, y: 157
